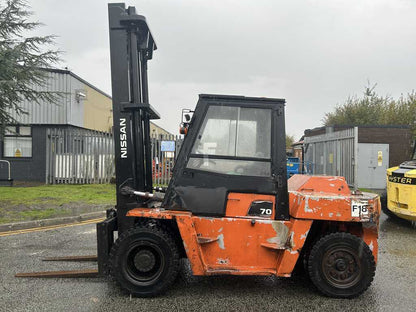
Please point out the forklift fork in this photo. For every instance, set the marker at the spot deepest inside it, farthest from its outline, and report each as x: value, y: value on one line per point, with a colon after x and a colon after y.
x: 105, y: 239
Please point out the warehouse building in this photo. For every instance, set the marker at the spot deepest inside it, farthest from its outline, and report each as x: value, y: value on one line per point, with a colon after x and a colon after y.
x: 52, y: 141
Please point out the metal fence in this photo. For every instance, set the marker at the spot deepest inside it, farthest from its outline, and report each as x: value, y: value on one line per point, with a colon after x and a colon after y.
x: 334, y: 154
x: 165, y: 149
x: 80, y: 156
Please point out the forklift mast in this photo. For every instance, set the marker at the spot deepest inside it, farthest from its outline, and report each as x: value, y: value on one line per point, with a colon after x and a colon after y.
x: 131, y: 46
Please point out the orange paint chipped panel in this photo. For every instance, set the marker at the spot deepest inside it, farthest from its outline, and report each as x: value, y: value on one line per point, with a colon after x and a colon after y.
x: 239, y: 241
x: 191, y: 245
x: 319, y: 184
x: 329, y: 198
x: 370, y: 237
x: 249, y: 246
x: 319, y: 206
x: 238, y: 204
x: 299, y: 230
x: 235, y: 245
x: 287, y: 263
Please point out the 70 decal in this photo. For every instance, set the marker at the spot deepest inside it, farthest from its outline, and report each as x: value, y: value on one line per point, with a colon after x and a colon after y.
x: 265, y: 211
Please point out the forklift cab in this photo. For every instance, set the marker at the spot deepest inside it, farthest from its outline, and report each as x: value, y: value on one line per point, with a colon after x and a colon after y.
x: 234, y: 151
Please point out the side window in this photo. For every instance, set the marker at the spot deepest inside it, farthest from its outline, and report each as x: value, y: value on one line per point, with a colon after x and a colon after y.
x: 254, y: 133
x: 234, y: 140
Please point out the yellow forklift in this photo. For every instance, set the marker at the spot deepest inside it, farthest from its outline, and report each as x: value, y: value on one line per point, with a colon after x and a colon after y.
x: 400, y: 197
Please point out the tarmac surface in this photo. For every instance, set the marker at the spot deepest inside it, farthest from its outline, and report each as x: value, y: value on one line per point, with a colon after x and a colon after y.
x: 394, y: 287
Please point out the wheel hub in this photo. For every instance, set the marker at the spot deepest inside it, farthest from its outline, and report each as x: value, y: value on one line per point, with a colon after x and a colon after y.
x: 144, y: 260
x: 144, y: 263
x: 341, y: 267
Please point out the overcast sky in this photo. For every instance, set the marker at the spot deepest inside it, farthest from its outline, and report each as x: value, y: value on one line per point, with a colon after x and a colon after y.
x: 312, y: 53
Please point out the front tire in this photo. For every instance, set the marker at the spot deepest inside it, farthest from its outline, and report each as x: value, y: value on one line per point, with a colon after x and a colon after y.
x: 145, y: 260
x: 341, y: 265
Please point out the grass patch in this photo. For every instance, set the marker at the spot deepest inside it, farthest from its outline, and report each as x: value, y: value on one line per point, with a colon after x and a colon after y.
x: 35, y: 214
x: 40, y: 214
x: 51, y: 201
x: 58, y: 194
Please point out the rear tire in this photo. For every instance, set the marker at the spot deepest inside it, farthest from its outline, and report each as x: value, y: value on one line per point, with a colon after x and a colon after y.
x: 145, y: 260
x: 341, y: 265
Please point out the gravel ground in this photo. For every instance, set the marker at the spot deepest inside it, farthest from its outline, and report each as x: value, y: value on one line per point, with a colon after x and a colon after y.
x: 394, y: 287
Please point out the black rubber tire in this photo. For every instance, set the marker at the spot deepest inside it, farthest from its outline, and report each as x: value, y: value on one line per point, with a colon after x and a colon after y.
x: 161, y: 257
x: 352, y: 256
x: 383, y: 202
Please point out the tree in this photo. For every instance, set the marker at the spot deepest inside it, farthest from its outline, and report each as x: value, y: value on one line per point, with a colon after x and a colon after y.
x: 22, y: 60
x: 373, y: 109
x: 290, y: 139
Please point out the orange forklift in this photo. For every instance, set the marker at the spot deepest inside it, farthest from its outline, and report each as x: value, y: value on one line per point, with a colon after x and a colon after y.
x: 229, y: 208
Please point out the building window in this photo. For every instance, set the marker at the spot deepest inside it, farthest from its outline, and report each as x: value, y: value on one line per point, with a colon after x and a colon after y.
x: 18, y: 142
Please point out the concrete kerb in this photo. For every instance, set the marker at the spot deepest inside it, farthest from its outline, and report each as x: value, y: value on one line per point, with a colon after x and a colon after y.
x: 49, y: 222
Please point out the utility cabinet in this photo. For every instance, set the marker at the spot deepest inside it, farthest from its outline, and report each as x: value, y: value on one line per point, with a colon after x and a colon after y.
x: 373, y: 161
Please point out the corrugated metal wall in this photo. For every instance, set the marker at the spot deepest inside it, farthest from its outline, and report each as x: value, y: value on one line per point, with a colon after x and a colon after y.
x: 91, y: 111
x: 66, y: 111
x: 333, y: 153
x: 45, y: 112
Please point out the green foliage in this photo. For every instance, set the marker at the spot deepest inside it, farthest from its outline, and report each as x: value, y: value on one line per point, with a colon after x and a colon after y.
x: 22, y: 58
x: 290, y: 139
x: 373, y: 109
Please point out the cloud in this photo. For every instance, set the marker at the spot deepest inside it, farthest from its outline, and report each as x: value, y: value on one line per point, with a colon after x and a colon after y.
x: 313, y: 53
